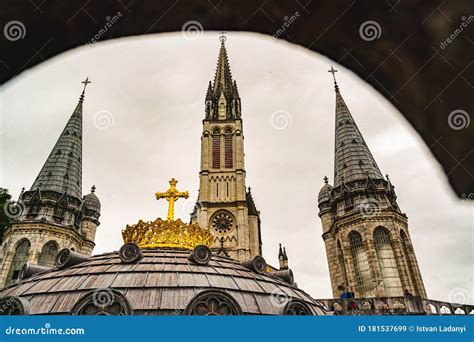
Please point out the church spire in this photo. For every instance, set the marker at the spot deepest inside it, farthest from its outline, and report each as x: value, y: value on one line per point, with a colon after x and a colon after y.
x: 62, y: 171
x: 353, y: 159
x: 222, y: 97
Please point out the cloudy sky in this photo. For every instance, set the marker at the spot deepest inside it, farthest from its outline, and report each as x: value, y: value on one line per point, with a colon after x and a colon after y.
x: 142, y: 126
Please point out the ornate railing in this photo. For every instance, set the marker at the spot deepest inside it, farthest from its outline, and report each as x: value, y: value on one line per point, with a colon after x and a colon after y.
x: 413, y: 305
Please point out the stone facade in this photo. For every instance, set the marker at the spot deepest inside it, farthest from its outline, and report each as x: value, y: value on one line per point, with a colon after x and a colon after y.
x: 224, y: 204
x: 366, y: 235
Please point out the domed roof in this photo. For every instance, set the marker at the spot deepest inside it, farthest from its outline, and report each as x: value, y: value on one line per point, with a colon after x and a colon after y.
x: 324, y: 193
x: 162, y: 282
x: 91, y: 201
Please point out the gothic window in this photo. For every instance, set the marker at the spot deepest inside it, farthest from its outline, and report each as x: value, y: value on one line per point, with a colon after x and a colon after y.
x: 35, y: 204
x: 222, y: 222
x: 360, y: 262
x: 216, y: 149
x: 58, y: 211
x: 405, y: 243
x: 387, y: 263
x: 19, y: 259
x: 48, y: 254
x: 213, y: 303
x: 103, y: 302
x: 228, y: 149
x: 342, y: 265
x: 297, y: 308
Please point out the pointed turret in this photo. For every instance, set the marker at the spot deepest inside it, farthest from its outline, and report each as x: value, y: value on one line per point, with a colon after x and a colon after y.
x: 56, y: 193
x: 62, y: 171
x: 353, y: 159
x: 222, y: 97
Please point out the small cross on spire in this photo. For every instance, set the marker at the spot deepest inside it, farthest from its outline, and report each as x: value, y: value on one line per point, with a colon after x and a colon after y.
x: 222, y: 37
x: 86, y: 82
x: 93, y: 188
x: 325, y: 179
x: 333, y: 72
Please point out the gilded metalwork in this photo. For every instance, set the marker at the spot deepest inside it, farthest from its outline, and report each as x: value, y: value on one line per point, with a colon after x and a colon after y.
x: 170, y: 234
x: 172, y: 195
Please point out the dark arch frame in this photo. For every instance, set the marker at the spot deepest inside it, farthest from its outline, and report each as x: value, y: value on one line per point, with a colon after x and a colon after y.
x: 406, y: 65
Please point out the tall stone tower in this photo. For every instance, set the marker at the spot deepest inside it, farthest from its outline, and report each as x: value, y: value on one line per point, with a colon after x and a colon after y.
x: 224, y: 205
x: 53, y: 215
x: 366, y: 234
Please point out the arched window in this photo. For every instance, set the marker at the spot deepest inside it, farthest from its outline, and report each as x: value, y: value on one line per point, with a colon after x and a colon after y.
x: 19, y: 259
x: 213, y: 303
x: 387, y: 263
x: 342, y: 265
x: 361, y: 263
x: 405, y: 243
x: 103, y: 302
x: 216, y: 149
x: 297, y: 308
x: 48, y: 254
x: 229, y: 159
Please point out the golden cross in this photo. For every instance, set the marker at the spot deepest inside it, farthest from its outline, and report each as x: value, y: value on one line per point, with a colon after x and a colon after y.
x: 172, y: 195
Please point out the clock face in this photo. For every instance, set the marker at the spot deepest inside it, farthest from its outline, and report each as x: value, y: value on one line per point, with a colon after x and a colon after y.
x: 222, y: 223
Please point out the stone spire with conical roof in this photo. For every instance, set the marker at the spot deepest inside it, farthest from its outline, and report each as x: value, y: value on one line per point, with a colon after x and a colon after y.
x: 62, y: 171
x: 353, y: 159
x: 56, y: 193
x: 222, y: 97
